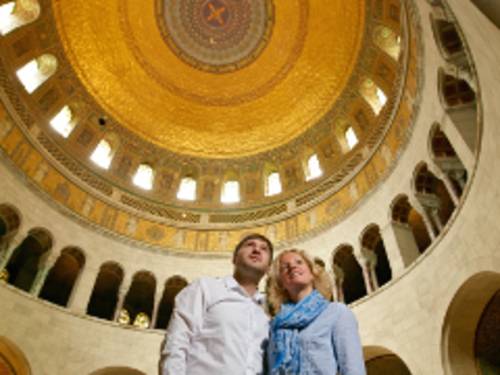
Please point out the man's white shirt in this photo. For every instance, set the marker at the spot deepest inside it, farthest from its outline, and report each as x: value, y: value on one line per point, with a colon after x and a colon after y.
x: 216, y: 328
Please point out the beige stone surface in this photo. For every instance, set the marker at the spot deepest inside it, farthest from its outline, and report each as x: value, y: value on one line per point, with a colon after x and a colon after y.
x: 406, y: 316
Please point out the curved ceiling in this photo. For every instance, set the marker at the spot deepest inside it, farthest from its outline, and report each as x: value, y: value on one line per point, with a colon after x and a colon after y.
x: 145, y: 71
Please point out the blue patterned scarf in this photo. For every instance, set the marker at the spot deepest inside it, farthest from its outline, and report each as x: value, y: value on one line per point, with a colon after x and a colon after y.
x: 285, y: 329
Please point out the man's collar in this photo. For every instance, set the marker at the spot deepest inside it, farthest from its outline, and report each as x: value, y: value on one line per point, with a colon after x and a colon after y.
x: 231, y: 283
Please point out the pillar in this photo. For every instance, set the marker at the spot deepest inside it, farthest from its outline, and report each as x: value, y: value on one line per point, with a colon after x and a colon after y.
x: 156, y: 306
x: 43, y: 271
x: 122, y: 292
x: 400, y: 246
x: 83, y: 288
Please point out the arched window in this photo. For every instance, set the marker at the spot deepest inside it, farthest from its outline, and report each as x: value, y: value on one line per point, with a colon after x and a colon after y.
x: 373, y: 249
x: 373, y: 95
x: 144, y: 177
x: 448, y: 39
x: 10, y: 221
x: 187, y: 189
x: 313, y: 169
x: 63, y: 122
x: 37, y: 71
x: 388, y: 41
x: 349, y: 275
x: 23, y: 266
x: 434, y: 197
x: 417, y: 234
x: 103, y: 154
x: 445, y: 157
x: 104, y: 296
x: 15, y: 14
x: 351, y: 138
x: 139, y: 301
x: 172, y: 287
x: 456, y: 92
x: 62, y: 276
x: 273, y: 184
x: 230, y: 192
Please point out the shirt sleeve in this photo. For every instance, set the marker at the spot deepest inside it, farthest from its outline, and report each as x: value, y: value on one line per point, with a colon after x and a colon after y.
x: 185, y: 322
x: 347, y: 343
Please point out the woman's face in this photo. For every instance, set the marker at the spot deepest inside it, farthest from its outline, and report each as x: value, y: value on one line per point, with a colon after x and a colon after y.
x: 294, y: 273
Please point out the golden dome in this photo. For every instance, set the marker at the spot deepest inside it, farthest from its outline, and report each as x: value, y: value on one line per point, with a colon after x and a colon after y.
x: 302, y: 106
x: 121, y: 56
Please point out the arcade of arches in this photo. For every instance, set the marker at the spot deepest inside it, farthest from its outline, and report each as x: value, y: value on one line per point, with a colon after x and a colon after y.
x: 366, y: 135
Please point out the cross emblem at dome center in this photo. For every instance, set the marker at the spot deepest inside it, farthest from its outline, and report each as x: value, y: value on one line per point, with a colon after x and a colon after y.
x: 215, y: 13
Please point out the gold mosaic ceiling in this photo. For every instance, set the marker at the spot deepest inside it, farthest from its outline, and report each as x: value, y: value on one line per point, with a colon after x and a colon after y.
x: 151, y: 78
x: 269, y: 85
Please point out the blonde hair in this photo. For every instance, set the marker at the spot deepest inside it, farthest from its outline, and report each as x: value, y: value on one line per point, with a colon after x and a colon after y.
x: 277, y: 295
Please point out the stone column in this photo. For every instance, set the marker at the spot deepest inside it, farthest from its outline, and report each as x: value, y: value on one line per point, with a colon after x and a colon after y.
x: 156, y: 306
x: 459, y: 176
x: 43, y: 271
x: 122, y: 292
x: 419, y: 207
x: 335, y: 289
x: 431, y: 204
x: 338, y: 279
x: 447, y: 183
x: 457, y: 141
x: 370, y: 259
x: 363, y: 262
x: 83, y: 288
x: 400, y: 246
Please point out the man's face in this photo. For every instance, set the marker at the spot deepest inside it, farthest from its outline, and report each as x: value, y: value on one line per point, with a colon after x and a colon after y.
x: 254, y: 255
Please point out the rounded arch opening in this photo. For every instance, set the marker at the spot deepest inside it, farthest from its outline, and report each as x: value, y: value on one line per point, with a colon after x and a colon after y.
x: 412, y: 229
x: 373, y: 249
x: 117, y: 371
x: 139, y: 301
x: 381, y: 361
x: 62, y: 276
x: 24, y: 264
x: 102, y: 303
x: 172, y: 287
x: 10, y: 220
x: 12, y: 359
x: 348, y: 275
x: 470, y: 337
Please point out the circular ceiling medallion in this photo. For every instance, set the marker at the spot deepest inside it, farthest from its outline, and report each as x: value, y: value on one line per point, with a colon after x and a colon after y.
x: 216, y: 35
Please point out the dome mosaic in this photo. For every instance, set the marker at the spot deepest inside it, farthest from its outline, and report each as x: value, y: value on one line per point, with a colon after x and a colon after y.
x: 179, y: 119
x: 216, y: 35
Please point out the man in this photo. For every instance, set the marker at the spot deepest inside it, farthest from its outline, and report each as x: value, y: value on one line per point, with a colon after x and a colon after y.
x: 218, y: 325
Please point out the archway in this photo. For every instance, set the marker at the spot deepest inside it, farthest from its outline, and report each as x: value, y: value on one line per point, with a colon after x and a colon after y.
x: 434, y: 196
x: 470, y: 337
x: 104, y: 296
x: 117, y: 371
x: 414, y: 229
x: 381, y: 361
x: 172, y: 287
x: 61, y: 278
x: 24, y: 264
x: 374, y: 250
x: 139, y: 301
x: 12, y: 359
x: 352, y: 283
x: 445, y: 157
x: 10, y: 219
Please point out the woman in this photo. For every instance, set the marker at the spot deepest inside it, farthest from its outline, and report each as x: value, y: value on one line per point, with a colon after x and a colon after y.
x: 309, y: 334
